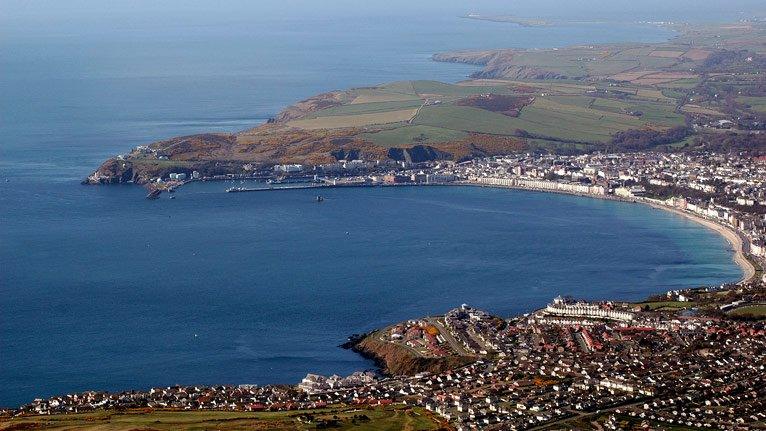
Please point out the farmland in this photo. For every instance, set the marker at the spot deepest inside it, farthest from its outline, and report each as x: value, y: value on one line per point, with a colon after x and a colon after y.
x: 694, y: 88
x: 565, y: 112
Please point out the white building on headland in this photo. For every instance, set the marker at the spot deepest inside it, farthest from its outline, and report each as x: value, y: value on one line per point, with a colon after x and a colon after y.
x: 560, y: 307
x: 288, y: 168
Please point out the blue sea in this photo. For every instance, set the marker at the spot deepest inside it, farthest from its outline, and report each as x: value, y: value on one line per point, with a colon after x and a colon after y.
x: 101, y: 289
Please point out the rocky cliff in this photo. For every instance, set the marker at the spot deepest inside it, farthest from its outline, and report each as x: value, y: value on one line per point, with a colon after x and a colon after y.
x: 399, y: 360
x: 498, y: 64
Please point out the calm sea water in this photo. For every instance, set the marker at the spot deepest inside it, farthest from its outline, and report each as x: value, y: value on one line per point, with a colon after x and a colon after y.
x: 102, y: 289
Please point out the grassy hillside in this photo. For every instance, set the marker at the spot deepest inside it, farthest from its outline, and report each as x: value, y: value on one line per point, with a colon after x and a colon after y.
x: 562, y: 111
x: 579, y: 98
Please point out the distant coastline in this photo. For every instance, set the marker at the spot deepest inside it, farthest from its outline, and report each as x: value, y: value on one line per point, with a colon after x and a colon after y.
x: 524, y: 22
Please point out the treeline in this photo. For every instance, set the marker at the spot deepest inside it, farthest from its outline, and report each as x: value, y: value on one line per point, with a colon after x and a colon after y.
x: 639, y: 140
x: 665, y: 192
x: 733, y: 61
x: 750, y: 143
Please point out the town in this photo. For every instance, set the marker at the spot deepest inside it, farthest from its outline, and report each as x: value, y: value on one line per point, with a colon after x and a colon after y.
x: 570, y: 365
x: 684, y: 359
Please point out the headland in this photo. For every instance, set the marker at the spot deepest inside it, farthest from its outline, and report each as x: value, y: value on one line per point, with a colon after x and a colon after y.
x: 673, y: 96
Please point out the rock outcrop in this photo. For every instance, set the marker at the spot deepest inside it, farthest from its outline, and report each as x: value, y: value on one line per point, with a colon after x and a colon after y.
x: 112, y: 171
x: 498, y: 64
x: 398, y: 360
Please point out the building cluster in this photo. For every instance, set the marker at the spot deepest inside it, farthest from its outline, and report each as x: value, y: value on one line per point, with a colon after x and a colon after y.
x: 422, y: 335
x: 658, y: 368
x: 315, y: 383
x: 476, y: 331
x: 571, y: 362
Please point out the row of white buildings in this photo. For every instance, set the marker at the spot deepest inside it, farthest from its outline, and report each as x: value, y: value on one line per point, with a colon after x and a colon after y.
x: 539, y: 184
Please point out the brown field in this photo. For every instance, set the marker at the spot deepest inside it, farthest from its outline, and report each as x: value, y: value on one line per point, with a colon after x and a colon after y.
x: 483, y: 82
x: 651, y: 77
x: 662, y: 77
x: 651, y: 94
x: 666, y: 54
x: 359, y: 120
x: 697, y: 54
x: 631, y: 76
x: 372, y: 96
x: 696, y: 109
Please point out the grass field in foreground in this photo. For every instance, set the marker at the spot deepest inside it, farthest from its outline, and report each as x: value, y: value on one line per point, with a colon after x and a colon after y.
x: 378, y: 419
x: 667, y: 305
x: 750, y: 310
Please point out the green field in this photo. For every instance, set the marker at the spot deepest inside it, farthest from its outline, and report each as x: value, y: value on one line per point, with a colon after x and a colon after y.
x: 563, y: 112
x: 667, y: 305
x: 413, y: 135
x: 362, y: 419
x: 366, y: 108
x: 756, y: 103
x: 543, y: 118
x: 750, y: 310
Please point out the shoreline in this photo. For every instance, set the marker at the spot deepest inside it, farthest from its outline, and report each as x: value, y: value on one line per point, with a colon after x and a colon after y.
x: 730, y: 235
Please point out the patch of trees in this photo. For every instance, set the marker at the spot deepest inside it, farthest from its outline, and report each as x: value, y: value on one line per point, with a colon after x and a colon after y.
x: 733, y: 61
x: 750, y: 143
x: 639, y: 140
x: 665, y: 192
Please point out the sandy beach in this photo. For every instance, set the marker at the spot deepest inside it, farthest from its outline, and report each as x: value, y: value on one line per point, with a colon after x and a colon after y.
x: 736, y: 241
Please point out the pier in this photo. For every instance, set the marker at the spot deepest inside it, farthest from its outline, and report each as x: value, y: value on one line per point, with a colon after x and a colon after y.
x: 326, y: 186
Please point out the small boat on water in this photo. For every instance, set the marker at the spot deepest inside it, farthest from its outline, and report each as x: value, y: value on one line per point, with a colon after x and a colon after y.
x: 320, y: 199
x: 154, y: 194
